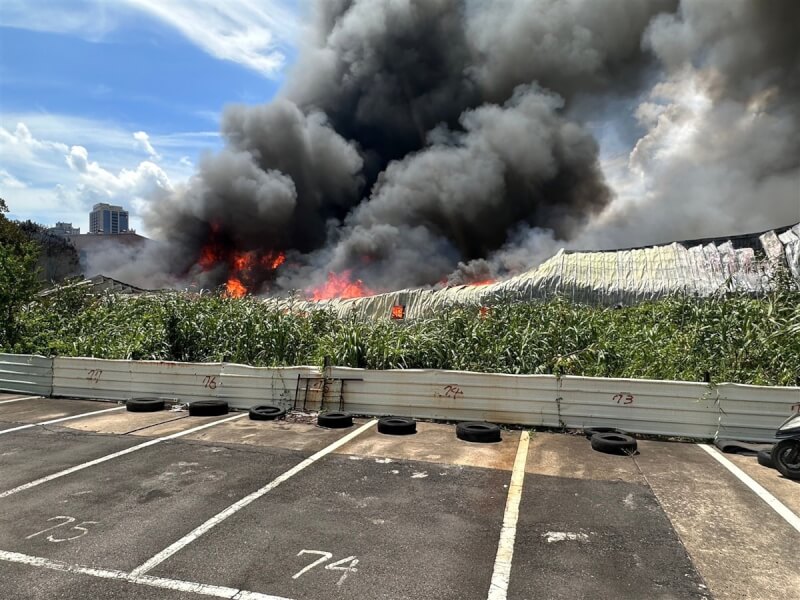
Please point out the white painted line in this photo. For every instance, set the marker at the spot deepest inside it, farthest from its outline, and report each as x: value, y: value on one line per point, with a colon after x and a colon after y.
x: 61, y: 420
x: 501, y: 575
x: 776, y: 505
x: 102, y: 459
x: 157, y: 582
x: 18, y: 399
x: 237, y: 506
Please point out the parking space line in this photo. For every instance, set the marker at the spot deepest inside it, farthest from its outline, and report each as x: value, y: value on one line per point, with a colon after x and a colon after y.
x: 237, y: 506
x: 776, y: 505
x: 108, y: 457
x: 157, y: 582
x: 60, y: 420
x: 18, y: 399
x: 501, y: 575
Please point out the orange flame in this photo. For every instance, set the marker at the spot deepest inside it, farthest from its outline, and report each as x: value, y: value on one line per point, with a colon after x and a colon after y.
x: 234, y: 288
x: 208, y: 257
x: 480, y: 283
x: 340, y: 286
x: 273, y: 260
x: 242, y: 261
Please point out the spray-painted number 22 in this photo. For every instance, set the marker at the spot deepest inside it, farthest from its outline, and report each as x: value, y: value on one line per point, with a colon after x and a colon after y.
x: 334, y: 566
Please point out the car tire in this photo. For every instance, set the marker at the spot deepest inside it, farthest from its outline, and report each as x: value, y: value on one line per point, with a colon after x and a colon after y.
x: 335, y: 420
x: 208, y: 408
x: 590, y: 431
x: 266, y: 412
x: 786, y: 458
x: 397, y: 426
x: 613, y: 443
x: 765, y: 458
x: 481, y: 433
x: 144, y: 405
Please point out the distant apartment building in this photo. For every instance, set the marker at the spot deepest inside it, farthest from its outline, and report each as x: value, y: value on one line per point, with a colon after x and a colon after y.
x: 64, y: 229
x: 107, y: 218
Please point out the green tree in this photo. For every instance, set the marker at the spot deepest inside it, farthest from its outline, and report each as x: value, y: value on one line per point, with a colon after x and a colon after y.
x: 19, y: 279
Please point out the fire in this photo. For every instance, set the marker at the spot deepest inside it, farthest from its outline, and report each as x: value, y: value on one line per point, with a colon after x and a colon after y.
x: 273, y: 260
x: 234, y: 288
x: 480, y: 283
x: 208, y: 257
x: 246, y: 270
x: 242, y: 261
x: 340, y: 286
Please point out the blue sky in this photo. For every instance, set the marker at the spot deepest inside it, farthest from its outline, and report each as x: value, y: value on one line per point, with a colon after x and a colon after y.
x: 115, y: 100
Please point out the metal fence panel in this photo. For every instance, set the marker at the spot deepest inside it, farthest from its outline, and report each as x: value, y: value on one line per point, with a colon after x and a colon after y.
x: 670, y: 408
x: 244, y: 386
x: 753, y: 412
x: 451, y: 395
x: 91, y: 378
x: 184, y: 382
x: 26, y: 374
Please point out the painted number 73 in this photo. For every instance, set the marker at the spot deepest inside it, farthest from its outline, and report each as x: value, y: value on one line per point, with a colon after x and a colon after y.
x: 334, y: 566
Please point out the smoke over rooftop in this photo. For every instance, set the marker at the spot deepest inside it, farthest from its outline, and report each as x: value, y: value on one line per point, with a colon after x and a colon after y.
x: 423, y: 141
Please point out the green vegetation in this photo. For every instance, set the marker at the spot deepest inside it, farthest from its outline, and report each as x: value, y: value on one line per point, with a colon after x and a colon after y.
x: 19, y: 275
x: 735, y: 338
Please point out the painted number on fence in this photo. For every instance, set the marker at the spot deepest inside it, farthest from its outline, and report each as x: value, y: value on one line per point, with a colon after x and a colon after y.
x: 450, y: 391
x: 94, y: 375
x: 346, y: 565
x: 623, y: 398
x: 64, y: 534
x: 210, y: 382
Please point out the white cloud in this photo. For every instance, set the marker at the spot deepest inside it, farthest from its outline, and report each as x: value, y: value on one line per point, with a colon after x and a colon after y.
x: 7, y: 180
x: 253, y: 33
x: 47, y: 180
x: 246, y: 31
x: 143, y: 142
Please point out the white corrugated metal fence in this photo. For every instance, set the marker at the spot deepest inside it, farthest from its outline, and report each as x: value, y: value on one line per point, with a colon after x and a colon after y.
x: 671, y: 408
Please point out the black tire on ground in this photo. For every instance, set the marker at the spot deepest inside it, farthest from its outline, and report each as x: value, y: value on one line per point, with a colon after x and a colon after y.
x: 786, y: 458
x: 208, y: 408
x: 765, y: 458
x: 482, y: 433
x: 397, y: 426
x: 613, y: 443
x: 144, y: 405
x: 266, y: 412
x: 590, y: 431
x: 335, y: 420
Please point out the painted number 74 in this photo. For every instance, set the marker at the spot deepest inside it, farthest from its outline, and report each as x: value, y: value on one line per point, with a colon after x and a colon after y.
x: 334, y: 566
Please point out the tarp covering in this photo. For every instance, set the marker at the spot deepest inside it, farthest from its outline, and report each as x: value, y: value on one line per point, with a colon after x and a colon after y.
x: 701, y: 267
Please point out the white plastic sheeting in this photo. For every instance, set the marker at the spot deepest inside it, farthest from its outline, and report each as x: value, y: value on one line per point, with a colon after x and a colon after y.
x: 754, y: 412
x: 451, y: 395
x: 639, y: 405
x: 26, y: 374
x: 744, y: 263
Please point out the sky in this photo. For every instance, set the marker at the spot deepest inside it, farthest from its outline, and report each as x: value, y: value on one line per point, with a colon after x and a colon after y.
x: 110, y: 100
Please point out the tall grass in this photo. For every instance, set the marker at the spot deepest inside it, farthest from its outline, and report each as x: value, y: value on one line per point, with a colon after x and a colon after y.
x: 733, y: 337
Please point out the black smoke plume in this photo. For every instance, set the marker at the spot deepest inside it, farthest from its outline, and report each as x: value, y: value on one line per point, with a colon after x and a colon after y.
x: 425, y: 141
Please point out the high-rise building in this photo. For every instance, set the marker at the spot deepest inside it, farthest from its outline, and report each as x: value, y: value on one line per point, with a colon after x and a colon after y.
x: 107, y: 218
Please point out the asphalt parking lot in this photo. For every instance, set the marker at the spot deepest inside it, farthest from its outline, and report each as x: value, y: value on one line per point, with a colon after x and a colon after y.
x: 97, y: 502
